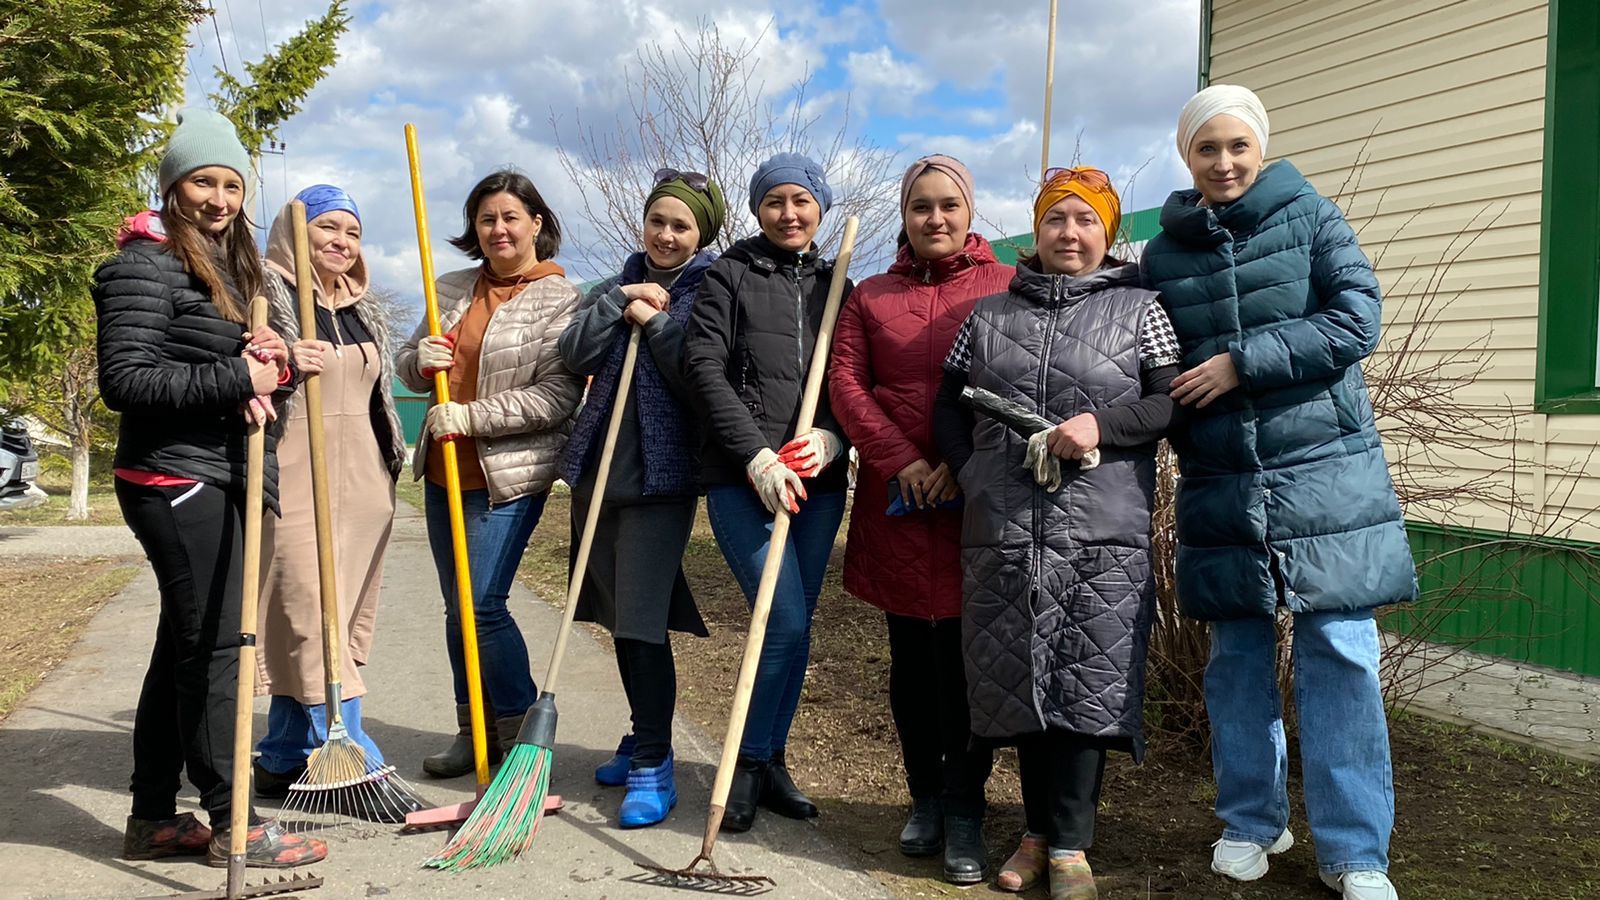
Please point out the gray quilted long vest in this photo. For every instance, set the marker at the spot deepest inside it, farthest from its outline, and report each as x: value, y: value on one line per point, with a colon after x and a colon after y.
x: 1058, y: 591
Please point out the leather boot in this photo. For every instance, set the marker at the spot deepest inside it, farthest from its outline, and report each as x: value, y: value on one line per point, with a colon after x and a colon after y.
x: 782, y: 796
x: 749, y: 777
x: 506, y: 728
x: 966, y: 856
x: 924, y: 831
x: 456, y: 759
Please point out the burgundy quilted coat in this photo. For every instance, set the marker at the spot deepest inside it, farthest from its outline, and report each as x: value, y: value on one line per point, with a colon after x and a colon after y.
x: 893, y: 335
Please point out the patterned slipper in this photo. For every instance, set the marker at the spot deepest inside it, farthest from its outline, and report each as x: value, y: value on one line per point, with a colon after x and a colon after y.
x: 159, y: 838
x: 1070, y: 877
x: 1026, y: 866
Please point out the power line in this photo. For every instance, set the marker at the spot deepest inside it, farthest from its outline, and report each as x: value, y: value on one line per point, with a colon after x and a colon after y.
x: 220, y: 50
x: 233, y: 30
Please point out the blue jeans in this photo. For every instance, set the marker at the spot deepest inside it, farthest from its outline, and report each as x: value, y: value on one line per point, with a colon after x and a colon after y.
x: 744, y: 528
x: 294, y: 729
x: 1344, y: 736
x: 496, y: 539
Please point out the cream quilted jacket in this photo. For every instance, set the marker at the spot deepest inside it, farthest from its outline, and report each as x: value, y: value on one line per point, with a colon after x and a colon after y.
x: 527, y: 398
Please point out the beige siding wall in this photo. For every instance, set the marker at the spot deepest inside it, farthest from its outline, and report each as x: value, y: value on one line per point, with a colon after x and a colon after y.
x: 1425, y: 119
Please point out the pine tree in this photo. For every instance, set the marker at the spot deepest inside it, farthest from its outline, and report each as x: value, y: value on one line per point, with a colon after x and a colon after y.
x: 280, y: 80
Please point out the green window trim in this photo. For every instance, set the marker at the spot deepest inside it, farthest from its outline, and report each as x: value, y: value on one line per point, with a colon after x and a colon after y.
x: 1569, y: 243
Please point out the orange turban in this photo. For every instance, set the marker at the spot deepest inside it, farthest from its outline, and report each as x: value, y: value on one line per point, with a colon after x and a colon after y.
x: 1092, y: 186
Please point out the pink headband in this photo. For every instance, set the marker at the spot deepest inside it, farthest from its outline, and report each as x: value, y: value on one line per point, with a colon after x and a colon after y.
x: 949, y: 165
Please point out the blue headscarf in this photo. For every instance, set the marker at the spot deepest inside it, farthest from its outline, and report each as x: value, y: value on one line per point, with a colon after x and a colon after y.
x: 790, y: 168
x: 325, y: 198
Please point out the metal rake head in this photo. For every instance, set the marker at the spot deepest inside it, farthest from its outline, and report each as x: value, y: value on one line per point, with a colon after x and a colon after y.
x: 285, y: 884
x: 706, y: 879
x: 336, y: 798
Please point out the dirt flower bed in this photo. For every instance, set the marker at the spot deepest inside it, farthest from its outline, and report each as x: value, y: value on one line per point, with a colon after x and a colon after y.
x: 1476, y: 817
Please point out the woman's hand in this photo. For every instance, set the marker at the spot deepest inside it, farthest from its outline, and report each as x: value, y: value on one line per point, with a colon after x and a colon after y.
x: 1074, y: 437
x: 1206, y: 382
x: 266, y: 345
x: 639, y: 312
x: 265, y: 375
x: 436, y: 354
x: 911, y: 479
x: 650, y: 292
x: 259, y: 410
x: 310, y: 356
x: 941, y: 486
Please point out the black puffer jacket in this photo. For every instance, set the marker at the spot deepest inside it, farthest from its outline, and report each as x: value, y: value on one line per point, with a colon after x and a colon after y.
x: 746, y: 350
x: 171, y: 364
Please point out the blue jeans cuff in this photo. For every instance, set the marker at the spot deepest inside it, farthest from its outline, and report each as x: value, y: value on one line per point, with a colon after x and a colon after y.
x: 1341, y: 868
x: 1228, y: 834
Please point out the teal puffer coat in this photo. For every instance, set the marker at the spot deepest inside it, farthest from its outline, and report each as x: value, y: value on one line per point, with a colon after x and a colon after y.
x: 1285, y: 497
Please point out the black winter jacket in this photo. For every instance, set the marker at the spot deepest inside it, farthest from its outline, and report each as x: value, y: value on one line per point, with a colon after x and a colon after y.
x: 171, y: 364
x: 746, y: 350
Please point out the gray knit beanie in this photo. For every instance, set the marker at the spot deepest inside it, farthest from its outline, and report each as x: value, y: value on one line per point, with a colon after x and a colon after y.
x: 203, y: 138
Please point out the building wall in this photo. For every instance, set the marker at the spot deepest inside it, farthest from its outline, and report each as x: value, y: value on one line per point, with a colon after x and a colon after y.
x: 1425, y: 119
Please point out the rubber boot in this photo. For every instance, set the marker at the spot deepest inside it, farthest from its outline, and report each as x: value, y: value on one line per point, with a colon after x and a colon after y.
x: 506, y: 728
x: 456, y: 759
x: 652, y: 793
x: 614, y: 771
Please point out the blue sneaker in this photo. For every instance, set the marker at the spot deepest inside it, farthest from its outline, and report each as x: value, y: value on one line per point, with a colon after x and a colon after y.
x: 614, y: 771
x: 652, y: 793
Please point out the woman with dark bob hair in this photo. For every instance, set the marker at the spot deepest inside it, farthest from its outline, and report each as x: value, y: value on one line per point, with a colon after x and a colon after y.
x: 512, y: 405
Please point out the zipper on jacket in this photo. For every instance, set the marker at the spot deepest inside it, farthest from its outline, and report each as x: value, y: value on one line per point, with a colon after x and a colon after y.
x: 1038, y: 489
x: 799, y: 328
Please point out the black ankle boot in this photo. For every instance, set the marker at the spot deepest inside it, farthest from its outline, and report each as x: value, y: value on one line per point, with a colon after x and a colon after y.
x: 966, y: 857
x: 924, y: 831
x: 749, y: 778
x: 781, y: 796
x: 456, y: 759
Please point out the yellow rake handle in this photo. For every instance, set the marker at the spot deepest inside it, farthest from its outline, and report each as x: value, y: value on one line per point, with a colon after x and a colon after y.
x: 452, y: 479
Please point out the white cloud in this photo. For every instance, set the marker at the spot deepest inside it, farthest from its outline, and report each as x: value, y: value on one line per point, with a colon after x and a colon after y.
x: 882, y: 82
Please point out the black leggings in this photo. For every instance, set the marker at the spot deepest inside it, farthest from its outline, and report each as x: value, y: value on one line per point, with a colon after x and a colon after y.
x: 193, y: 537
x: 1061, y: 776
x: 650, y: 680
x: 928, y: 699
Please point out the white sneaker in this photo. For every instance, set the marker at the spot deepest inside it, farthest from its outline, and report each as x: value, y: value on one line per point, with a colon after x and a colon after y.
x: 1244, y: 861
x: 1369, y: 885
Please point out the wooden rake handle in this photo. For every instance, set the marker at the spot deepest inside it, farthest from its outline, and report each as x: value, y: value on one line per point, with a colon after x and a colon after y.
x: 244, y: 701
x: 580, y: 565
x: 452, y: 481
x: 332, y: 639
x: 774, y: 563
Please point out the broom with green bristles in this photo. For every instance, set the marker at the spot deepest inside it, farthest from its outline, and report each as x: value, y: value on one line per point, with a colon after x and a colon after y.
x: 507, y: 818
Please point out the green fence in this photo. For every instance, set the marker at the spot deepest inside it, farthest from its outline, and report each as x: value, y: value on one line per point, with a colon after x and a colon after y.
x: 412, y: 407
x: 1523, y: 599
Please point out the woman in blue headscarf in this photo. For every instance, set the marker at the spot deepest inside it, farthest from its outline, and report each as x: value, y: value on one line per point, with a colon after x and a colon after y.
x: 365, y: 450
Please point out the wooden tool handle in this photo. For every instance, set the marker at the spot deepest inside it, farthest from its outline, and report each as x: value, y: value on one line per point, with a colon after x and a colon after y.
x: 757, y: 635
x: 244, y: 701
x: 452, y: 479
x: 332, y: 639
x: 1049, y: 94
x: 580, y: 565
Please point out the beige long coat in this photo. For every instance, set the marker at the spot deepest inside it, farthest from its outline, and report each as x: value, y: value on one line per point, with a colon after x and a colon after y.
x: 361, y: 498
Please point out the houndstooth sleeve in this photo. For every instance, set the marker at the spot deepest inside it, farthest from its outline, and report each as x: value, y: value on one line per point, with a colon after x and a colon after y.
x: 959, y: 359
x: 1158, y: 344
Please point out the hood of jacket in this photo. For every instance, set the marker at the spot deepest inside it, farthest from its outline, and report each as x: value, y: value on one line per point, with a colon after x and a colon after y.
x: 348, y: 289
x: 1037, y: 287
x: 758, y: 252
x: 145, y: 226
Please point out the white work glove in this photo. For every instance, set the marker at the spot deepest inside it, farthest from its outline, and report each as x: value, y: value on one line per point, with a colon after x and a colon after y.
x: 776, y: 484
x: 436, y: 354
x: 810, y: 453
x: 1044, y: 465
x: 449, y: 420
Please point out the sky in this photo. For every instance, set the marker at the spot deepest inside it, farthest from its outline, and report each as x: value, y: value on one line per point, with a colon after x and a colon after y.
x: 490, y: 84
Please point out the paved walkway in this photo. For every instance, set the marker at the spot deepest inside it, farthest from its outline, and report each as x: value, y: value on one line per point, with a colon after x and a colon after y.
x: 67, y: 541
x: 1552, y: 711
x: 66, y: 753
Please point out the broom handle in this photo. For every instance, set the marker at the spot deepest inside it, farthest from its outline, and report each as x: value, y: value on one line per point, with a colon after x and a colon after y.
x: 580, y: 566
x: 757, y: 635
x: 244, y: 705
x: 452, y: 480
x: 332, y: 643
x: 1049, y: 91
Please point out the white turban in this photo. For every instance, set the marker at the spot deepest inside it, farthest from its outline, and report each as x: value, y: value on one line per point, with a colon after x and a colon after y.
x: 1221, y: 100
